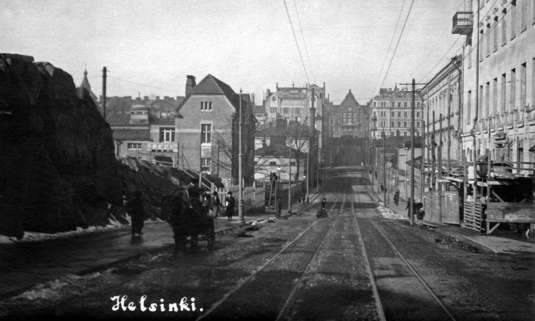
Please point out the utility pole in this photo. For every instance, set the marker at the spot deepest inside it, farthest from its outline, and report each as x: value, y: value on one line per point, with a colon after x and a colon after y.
x: 240, y: 182
x: 384, y: 168
x: 104, y: 71
x: 440, y: 168
x: 474, y: 161
x: 413, y: 104
x: 200, y: 161
x: 311, y: 138
x: 289, y: 179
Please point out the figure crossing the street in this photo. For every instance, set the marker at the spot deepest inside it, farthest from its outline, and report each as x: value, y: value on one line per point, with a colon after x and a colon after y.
x: 229, y: 204
x: 135, y: 209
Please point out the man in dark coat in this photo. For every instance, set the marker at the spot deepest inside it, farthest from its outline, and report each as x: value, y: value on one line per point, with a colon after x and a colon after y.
x: 229, y: 203
x: 137, y: 215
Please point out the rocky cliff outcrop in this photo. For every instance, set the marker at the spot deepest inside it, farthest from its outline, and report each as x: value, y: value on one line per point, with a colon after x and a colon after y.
x: 57, y: 165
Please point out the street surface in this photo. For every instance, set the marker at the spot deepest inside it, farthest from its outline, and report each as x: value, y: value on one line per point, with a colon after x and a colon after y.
x: 353, y: 265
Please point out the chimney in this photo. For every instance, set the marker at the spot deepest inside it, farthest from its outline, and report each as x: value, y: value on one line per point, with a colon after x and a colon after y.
x: 190, y: 84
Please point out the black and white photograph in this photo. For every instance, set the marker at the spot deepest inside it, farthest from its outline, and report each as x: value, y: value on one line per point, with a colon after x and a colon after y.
x: 279, y: 160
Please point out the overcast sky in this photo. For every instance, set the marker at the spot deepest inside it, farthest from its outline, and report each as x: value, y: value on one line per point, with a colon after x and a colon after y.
x: 150, y: 46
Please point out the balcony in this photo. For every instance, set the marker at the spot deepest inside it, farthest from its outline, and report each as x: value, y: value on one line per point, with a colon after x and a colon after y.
x: 463, y: 23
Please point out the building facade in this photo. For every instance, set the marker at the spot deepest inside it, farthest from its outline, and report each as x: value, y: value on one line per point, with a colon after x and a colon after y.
x: 207, y: 130
x: 502, y: 77
x: 442, y: 110
x: 347, y: 119
x: 391, y: 113
x: 293, y: 103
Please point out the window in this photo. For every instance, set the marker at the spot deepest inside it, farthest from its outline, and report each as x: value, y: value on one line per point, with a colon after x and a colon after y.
x: 512, y: 93
x: 482, y: 44
x: 392, y: 124
x: 405, y: 114
x: 206, y: 164
x: 292, y: 163
x: 495, y: 96
x: 206, y: 106
x: 273, y: 110
x: 480, y: 106
x: 272, y: 163
x: 468, y: 106
x: 487, y: 42
x: 405, y: 124
x: 399, y: 124
x: 523, y: 15
x: 393, y: 114
x: 133, y: 146
x: 513, y: 22
x: 167, y: 134
x: 405, y: 104
x: 206, y: 133
x: 487, y: 100
x: 495, y: 37
x: 523, y: 85
x: 503, y: 101
x: 417, y: 114
x: 504, y: 28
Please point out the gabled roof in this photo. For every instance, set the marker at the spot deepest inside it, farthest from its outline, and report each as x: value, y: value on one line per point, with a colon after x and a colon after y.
x: 210, y: 85
x: 349, y: 100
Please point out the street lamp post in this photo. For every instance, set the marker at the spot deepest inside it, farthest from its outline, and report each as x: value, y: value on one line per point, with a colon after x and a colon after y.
x: 374, y: 162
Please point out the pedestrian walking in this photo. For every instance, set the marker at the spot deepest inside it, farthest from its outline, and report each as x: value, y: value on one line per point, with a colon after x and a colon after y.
x: 229, y: 204
x: 216, y: 203
x: 408, y: 207
x: 137, y: 214
x: 396, y: 198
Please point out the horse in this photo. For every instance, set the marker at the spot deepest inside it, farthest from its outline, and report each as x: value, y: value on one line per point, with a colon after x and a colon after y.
x: 187, y: 210
x: 175, y: 210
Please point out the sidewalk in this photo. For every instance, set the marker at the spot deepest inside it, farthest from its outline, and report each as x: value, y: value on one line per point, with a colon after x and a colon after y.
x: 487, y: 243
x: 24, y: 265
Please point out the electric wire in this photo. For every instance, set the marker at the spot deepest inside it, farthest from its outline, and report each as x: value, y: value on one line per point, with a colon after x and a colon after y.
x: 296, y: 42
x: 397, y: 43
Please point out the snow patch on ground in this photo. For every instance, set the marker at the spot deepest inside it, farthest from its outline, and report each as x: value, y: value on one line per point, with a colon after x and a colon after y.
x: 388, y: 213
x: 113, y: 224
x: 53, y: 290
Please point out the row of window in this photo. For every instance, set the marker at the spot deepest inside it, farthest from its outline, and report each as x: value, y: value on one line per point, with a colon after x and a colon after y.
x: 398, y: 133
x: 393, y: 114
x: 206, y: 106
x: 393, y: 104
x: 508, y: 25
x: 499, y: 95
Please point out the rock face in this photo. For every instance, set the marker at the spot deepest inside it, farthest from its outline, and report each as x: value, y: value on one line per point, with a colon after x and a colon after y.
x: 57, y: 165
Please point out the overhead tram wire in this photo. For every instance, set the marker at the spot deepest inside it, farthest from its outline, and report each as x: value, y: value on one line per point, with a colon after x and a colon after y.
x: 392, y: 39
x: 296, y: 42
x: 397, y: 43
x: 446, y: 53
x: 305, y: 46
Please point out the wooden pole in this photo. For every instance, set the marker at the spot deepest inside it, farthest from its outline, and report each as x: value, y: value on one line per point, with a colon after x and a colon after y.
x: 412, y: 151
x: 104, y: 76
x: 289, y: 179
x: 440, y: 169
x: 240, y: 174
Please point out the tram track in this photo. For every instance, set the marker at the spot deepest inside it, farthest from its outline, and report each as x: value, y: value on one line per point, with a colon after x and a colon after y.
x: 418, y: 277
x: 255, y: 276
